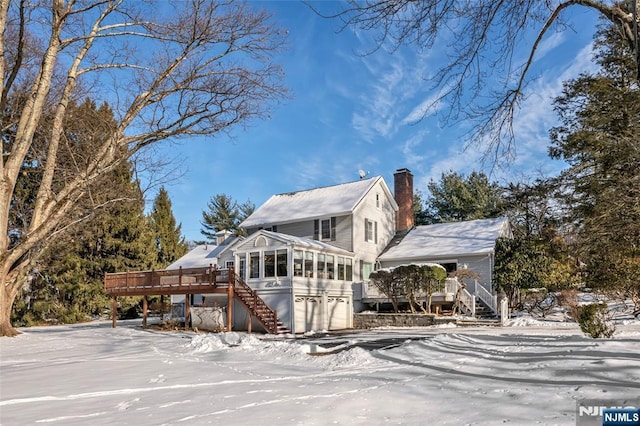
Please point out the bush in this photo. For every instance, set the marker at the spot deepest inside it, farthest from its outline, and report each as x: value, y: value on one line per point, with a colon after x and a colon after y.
x: 595, y: 321
x: 539, y: 302
x: 569, y: 300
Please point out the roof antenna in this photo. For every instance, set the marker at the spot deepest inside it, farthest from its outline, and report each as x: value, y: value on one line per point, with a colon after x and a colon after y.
x: 362, y: 174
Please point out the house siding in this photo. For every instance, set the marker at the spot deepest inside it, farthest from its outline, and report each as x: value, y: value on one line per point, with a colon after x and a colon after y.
x: 306, y: 229
x: 480, y: 264
x: 384, y: 216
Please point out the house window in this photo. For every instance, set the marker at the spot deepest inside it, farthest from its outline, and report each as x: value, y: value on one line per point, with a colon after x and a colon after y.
x: 324, y: 229
x: 308, y: 264
x: 348, y: 270
x: 269, y: 264
x: 297, y: 263
x: 281, y: 263
x: 330, y: 268
x: 243, y: 268
x: 367, y: 268
x: 370, y: 231
x: 341, y: 269
x: 254, y: 265
x: 450, y: 267
x: 229, y: 264
x: 377, y: 200
x: 320, y: 265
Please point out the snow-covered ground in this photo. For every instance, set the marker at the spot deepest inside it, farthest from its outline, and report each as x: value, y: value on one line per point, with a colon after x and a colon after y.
x: 531, y: 372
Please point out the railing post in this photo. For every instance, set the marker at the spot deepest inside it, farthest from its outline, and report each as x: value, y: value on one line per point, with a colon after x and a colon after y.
x: 180, y: 276
x: 504, y: 311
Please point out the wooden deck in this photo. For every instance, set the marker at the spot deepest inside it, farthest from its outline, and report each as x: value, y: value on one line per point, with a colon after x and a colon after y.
x: 167, y: 282
x: 189, y: 281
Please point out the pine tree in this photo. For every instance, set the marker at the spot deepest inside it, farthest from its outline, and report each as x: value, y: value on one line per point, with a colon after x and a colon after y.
x: 457, y: 198
x: 69, y: 284
x: 600, y: 139
x: 224, y: 214
x: 111, y: 232
x: 169, y: 242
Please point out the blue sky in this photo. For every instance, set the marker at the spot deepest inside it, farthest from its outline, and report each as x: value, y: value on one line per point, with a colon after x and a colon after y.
x: 349, y: 111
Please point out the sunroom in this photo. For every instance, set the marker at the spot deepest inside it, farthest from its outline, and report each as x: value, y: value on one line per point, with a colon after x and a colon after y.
x: 308, y: 282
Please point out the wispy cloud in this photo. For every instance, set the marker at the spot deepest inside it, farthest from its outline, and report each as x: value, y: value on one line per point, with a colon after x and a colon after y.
x: 429, y: 106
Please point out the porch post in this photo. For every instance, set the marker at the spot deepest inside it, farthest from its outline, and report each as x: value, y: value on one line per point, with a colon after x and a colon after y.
x: 145, y: 309
x: 187, y: 311
x: 114, y: 311
x: 229, y: 302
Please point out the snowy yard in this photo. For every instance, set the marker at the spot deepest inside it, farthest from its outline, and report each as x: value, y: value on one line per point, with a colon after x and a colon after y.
x: 528, y: 373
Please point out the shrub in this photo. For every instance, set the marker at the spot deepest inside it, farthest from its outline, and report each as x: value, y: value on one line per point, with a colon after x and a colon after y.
x: 539, y: 302
x: 569, y: 300
x: 595, y: 321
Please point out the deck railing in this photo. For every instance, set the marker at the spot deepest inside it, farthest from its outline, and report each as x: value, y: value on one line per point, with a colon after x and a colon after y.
x: 182, y: 280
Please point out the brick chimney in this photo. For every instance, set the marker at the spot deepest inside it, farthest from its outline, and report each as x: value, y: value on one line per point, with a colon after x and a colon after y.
x: 403, y: 194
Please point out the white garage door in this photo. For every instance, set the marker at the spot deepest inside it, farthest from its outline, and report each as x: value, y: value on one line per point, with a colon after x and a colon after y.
x: 308, y: 313
x: 338, y: 312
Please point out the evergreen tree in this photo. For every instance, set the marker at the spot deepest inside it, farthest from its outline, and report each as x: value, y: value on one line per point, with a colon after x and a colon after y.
x: 224, y: 214
x: 111, y: 232
x: 420, y: 216
x: 533, y: 209
x: 457, y: 198
x: 68, y: 286
x: 600, y: 139
x: 169, y: 242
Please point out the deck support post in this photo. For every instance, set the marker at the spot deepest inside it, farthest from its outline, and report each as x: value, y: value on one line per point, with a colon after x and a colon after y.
x: 229, y: 304
x: 187, y: 311
x: 114, y: 311
x: 145, y: 310
x: 249, y: 324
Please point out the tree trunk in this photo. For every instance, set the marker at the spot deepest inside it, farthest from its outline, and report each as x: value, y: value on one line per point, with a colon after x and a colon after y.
x: 6, y: 302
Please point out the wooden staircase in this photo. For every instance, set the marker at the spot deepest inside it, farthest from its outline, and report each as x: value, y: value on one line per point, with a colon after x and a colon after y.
x: 257, y: 308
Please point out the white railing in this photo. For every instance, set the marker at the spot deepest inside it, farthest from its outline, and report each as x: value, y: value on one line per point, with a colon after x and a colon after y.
x: 489, y: 299
x: 370, y: 291
x: 466, y: 299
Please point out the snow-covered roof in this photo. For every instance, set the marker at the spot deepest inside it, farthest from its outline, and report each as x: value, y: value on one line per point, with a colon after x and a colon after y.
x: 333, y: 200
x: 299, y: 242
x: 203, y: 255
x: 449, y: 239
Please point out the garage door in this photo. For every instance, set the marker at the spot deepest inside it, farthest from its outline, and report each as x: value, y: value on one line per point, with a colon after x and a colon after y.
x: 308, y: 313
x: 338, y: 312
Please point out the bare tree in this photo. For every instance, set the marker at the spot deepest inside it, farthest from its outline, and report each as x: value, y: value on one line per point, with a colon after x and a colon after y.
x: 481, y: 40
x: 167, y: 69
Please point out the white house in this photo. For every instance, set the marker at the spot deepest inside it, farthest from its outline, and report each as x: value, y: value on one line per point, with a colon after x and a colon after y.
x: 308, y: 254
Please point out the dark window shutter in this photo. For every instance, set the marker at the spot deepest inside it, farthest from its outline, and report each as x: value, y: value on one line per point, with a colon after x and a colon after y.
x: 365, y: 229
x: 375, y: 232
x: 333, y: 228
x: 316, y: 229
